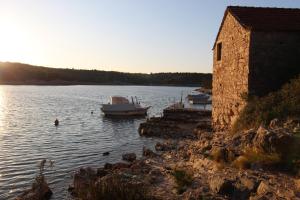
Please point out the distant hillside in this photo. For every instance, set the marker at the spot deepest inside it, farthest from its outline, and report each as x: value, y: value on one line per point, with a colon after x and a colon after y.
x: 17, y: 73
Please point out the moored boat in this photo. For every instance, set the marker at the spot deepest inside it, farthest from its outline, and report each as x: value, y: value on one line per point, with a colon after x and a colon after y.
x: 199, y: 99
x: 120, y: 106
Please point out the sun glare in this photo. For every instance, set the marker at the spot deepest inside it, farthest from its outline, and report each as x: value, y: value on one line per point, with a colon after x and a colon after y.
x: 17, y: 42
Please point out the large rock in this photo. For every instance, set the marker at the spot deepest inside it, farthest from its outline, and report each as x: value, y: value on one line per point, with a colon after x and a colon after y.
x: 166, y: 146
x: 233, y: 186
x: 271, y: 141
x: 264, y: 188
x: 118, y: 165
x: 148, y: 153
x: 221, y: 186
x: 243, y: 139
x: 130, y: 157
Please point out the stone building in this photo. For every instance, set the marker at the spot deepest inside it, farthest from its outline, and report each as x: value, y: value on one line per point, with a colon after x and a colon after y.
x: 256, y: 51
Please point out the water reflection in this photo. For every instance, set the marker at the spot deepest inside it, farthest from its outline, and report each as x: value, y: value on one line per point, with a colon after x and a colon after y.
x: 28, y: 135
x: 2, y: 105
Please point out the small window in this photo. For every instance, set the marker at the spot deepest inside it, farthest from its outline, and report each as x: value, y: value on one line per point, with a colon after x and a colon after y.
x: 219, y: 51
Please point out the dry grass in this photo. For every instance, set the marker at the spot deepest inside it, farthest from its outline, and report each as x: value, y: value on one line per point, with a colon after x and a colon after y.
x: 115, y: 187
x: 183, y: 179
x: 242, y: 162
x: 254, y: 156
x: 281, y: 104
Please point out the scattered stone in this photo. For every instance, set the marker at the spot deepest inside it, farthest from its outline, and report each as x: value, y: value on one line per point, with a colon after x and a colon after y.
x: 206, y: 148
x: 166, y: 146
x: 130, y: 157
x: 155, y: 176
x: 118, y: 165
x: 71, y: 190
x: 250, y: 184
x: 263, y: 188
x: 148, y: 153
x: 232, y: 187
x: 297, y: 184
x: 272, y: 142
x: 121, y: 165
x: 211, y: 180
x: 296, y: 130
x: 108, y: 166
x: 274, y: 123
x: 285, y: 193
x: 102, y: 172
x: 176, y: 123
x: 221, y: 186
x: 219, y: 154
x: 168, y: 168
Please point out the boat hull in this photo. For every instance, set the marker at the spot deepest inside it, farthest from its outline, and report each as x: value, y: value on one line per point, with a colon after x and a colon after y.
x: 124, y: 110
x: 199, y: 99
x: 200, y: 102
x: 142, y: 112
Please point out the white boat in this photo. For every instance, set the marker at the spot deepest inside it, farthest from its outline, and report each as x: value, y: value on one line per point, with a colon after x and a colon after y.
x: 199, y: 99
x: 120, y: 106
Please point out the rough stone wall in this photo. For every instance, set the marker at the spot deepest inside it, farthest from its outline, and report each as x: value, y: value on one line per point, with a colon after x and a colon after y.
x: 274, y: 60
x: 230, y: 74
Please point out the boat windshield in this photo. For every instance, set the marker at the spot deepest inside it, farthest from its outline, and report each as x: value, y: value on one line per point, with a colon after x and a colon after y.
x: 119, y: 100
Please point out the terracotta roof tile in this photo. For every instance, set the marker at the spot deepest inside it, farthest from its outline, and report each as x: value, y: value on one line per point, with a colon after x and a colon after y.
x: 267, y: 19
x: 264, y: 18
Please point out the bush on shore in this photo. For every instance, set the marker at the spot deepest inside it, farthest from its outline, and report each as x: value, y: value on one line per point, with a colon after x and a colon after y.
x: 282, y: 104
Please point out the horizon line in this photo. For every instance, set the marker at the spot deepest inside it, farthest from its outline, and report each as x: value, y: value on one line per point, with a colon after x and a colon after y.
x: 90, y: 69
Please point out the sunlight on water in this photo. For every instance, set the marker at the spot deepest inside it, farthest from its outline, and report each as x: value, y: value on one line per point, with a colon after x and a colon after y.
x: 2, y: 113
x: 28, y: 135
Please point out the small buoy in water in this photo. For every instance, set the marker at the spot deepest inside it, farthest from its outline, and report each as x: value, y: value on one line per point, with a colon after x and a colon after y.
x: 92, y: 112
x: 105, y: 153
x: 56, y: 122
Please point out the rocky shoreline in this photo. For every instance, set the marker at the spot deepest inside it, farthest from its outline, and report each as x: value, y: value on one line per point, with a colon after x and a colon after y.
x: 252, y: 164
x: 205, y: 168
x: 177, y: 123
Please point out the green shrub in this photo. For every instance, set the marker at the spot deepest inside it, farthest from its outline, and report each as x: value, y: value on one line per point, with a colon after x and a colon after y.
x: 183, y: 180
x: 261, y: 110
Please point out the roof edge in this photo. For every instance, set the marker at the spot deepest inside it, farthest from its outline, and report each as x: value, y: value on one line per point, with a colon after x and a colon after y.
x: 228, y: 10
x: 220, y: 27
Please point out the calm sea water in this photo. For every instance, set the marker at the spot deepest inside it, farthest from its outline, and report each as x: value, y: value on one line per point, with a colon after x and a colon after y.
x: 27, y: 133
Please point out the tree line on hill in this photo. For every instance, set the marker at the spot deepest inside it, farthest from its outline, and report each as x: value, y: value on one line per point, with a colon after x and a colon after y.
x: 18, y: 73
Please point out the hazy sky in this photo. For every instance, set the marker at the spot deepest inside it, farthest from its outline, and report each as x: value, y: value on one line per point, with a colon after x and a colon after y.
x: 121, y: 35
